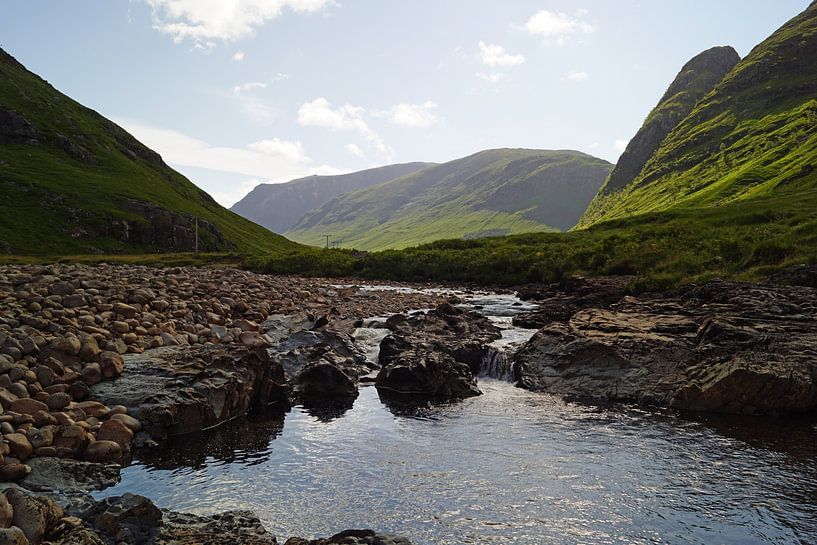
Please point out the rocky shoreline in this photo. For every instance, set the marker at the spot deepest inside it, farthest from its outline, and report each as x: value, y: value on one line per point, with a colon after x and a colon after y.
x: 98, y: 361
x: 723, y: 347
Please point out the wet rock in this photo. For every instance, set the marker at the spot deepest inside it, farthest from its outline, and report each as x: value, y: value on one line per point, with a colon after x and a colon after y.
x: 64, y: 475
x: 463, y: 335
x: 352, y: 537
x: 227, y: 528
x: 723, y: 347
x: 426, y: 373
x: 175, y: 391
x: 323, y: 379
x: 126, y: 519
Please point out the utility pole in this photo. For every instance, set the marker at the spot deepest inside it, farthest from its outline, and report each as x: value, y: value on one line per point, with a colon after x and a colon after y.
x: 327, y: 240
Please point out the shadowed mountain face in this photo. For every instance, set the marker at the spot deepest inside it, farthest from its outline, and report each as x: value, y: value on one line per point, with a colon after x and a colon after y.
x: 495, y: 192
x: 74, y: 182
x: 754, y: 135
x: 278, y: 207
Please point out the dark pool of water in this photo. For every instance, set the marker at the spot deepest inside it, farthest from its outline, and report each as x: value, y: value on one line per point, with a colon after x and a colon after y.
x: 509, y: 467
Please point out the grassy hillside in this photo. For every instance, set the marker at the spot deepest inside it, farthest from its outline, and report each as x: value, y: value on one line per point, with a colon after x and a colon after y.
x: 74, y: 182
x: 754, y: 135
x: 278, y: 207
x: 495, y: 192
x: 697, y: 78
x: 744, y: 240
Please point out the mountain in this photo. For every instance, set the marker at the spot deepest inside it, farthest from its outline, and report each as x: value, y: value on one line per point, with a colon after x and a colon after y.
x: 278, y: 207
x: 754, y: 135
x: 491, y: 193
x: 697, y: 78
x: 74, y: 182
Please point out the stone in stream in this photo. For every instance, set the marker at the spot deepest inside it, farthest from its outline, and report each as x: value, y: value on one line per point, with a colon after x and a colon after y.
x: 463, y: 335
x: 173, y: 391
x: 721, y: 346
x: 425, y: 373
x: 352, y: 537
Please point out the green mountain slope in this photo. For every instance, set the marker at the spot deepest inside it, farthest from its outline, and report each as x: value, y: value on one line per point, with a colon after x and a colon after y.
x: 278, y: 207
x: 73, y: 182
x: 754, y: 135
x: 495, y: 192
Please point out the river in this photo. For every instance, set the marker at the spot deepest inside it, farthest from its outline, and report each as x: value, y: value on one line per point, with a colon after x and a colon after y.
x: 507, y: 467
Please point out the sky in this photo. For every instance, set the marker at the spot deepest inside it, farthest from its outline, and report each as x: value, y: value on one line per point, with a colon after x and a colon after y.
x: 233, y: 93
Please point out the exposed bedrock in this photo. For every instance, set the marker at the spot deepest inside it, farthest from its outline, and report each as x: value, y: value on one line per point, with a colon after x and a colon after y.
x: 174, y: 391
x: 721, y: 346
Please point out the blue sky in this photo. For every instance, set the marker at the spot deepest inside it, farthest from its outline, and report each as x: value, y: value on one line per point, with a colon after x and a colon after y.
x: 237, y: 92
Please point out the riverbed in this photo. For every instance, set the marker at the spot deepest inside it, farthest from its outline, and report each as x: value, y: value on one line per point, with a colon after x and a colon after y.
x: 507, y: 467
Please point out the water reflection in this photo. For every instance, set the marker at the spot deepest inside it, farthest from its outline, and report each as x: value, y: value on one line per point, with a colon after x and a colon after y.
x: 508, y: 467
x: 328, y: 409
x: 245, y: 440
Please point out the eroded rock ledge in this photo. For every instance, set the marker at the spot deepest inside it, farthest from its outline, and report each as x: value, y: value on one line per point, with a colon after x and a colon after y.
x: 722, y: 346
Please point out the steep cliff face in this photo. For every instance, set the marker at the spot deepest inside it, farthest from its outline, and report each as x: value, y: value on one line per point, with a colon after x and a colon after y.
x: 697, y: 78
x: 279, y: 207
x: 73, y: 182
x: 753, y: 135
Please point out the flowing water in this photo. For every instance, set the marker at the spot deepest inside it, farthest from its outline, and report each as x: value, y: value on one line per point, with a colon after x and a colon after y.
x: 507, y: 467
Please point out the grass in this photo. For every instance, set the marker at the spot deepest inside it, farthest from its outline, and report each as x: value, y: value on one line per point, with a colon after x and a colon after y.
x: 506, y: 190
x: 63, y: 191
x: 743, y: 240
x: 753, y: 135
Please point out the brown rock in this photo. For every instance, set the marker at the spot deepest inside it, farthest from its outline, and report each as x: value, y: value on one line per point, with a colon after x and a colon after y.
x: 28, y: 406
x: 92, y: 374
x: 103, y: 451
x: 58, y: 401
x: 20, y: 445
x: 116, y: 431
x: 132, y: 424
x: 34, y: 515
x: 6, y: 512
x: 13, y: 536
x: 112, y: 364
x: 14, y: 472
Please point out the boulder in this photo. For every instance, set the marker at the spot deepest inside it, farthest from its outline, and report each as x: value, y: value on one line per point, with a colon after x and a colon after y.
x: 323, y: 379
x: 427, y: 373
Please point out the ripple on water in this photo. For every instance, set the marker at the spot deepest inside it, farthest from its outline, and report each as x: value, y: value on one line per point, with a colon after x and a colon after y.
x: 507, y: 467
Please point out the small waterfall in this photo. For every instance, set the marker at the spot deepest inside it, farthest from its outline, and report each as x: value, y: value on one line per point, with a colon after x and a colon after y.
x: 496, y: 364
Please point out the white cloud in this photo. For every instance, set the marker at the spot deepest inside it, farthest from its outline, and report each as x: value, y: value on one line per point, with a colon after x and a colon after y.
x: 290, y: 150
x: 207, y: 20
x: 271, y: 159
x: 495, y: 55
x: 575, y: 76
x: 319, y: 113
x: 492, y: 77
x: 354, y: 149
x: 415, y: 116
x: 558, y: 27
x: 239, y: 56
x: 249, y: 86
